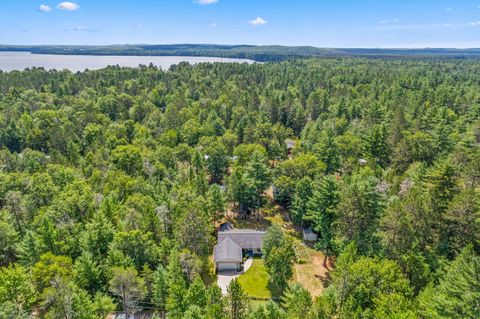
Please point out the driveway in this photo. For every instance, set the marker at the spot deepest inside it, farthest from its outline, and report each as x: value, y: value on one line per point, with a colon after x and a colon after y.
x: 225, y: 277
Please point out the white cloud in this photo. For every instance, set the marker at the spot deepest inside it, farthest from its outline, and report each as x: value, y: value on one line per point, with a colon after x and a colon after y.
x: 70, y: 6
x: 388, y: 21
x: 84, y: 29
x: 258, y: 21
x: 44, y: 8
x: 205, y: 2
x: 213, y: 25
x: 474, y: 24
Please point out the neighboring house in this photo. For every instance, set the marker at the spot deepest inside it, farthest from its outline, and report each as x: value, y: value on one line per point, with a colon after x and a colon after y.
x: 233, y: 244
x: 309, y: 234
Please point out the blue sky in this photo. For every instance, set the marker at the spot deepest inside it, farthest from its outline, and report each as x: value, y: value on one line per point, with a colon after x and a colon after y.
x: 321, y: 23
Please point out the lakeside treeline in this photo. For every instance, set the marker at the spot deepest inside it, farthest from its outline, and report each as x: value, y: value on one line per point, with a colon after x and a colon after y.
x: 265, y: 53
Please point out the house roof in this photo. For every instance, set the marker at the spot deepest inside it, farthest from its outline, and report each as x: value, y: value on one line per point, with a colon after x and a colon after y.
x: 227, y: 251
x: 245, y: 238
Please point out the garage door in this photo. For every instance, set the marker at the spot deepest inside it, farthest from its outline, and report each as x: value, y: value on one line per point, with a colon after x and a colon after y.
x: 227, y: 266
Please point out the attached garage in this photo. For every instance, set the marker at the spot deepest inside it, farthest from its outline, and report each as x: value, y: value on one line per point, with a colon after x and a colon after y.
x: 227, y: 266
x: 227, y: 255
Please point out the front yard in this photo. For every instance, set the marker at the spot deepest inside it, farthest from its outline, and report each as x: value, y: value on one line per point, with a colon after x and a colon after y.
x: 255, y: 280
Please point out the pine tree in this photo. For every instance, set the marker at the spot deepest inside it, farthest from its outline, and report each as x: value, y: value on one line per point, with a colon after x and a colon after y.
x: 177, y: 289
x: 359, y: 212
x: 303, y: 192
x: 376, y: 145
x: 442, y: 185
x: 237, y: 300
x: 457, y: 295
x: 196, y: 293
x: 28, y: 250
x: 160, y: 288
x: 259, y: 174
x: 88, y: 274
x: 327, y: 152
x: 215, y: 303
x: 322, y: 214
x: 216, y: 202
x: 279, y: 263
x: 297, y: 301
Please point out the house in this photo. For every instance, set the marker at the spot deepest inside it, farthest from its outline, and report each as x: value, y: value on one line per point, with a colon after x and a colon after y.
x: 309, y: 234
x: 233, y: 244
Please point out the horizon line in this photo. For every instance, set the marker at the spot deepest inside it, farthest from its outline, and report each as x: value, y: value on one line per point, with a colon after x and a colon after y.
x: 251, y: 45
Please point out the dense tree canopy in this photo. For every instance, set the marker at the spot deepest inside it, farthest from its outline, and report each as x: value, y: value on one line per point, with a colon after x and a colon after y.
x: 112, y: 183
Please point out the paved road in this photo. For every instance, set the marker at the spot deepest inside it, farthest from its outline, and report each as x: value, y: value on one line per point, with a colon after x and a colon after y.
x: 225, y: 277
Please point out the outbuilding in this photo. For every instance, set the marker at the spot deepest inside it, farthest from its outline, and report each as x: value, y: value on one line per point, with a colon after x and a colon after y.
x: 309, y: 234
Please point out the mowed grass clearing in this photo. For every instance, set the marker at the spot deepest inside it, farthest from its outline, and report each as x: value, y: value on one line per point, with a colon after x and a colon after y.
x: 255, y: 280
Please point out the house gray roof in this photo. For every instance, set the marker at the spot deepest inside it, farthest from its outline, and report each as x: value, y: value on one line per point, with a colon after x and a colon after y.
x: 227, y: 251
x: 245, y: 238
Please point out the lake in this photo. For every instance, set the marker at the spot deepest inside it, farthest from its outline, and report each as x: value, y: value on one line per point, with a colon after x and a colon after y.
x: 10, y: 61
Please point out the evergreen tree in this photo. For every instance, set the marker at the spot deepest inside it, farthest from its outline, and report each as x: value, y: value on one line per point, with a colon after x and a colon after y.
x: 322, y: 213
x: 278, y: 262
x: 237, y: 300
x: 298, y: 302
x: 458, y: 293
x: 176, y: 304
x: 359, y: 212
x: 88, y: 274
x: 215, y: 303
x: 327, y: 152
x: 160, y: 288
x: 301, y: 198
x: 196, y: 294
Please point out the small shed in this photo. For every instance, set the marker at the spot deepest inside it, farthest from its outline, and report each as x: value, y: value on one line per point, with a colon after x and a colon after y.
x: 227, y: 255
x: 309, y: 234
x: 290, y: 144
x: 225, y: 226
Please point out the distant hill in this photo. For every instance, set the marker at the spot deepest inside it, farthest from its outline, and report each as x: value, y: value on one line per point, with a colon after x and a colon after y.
x: 263, y: 53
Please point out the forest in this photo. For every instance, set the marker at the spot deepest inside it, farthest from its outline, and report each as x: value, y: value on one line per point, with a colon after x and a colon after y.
x: 113, y: 183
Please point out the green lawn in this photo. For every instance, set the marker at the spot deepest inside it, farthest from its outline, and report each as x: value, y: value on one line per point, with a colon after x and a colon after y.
x: 255, y: 280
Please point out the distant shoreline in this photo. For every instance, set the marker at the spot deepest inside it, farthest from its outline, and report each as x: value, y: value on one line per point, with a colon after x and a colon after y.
x: 266, y: 53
